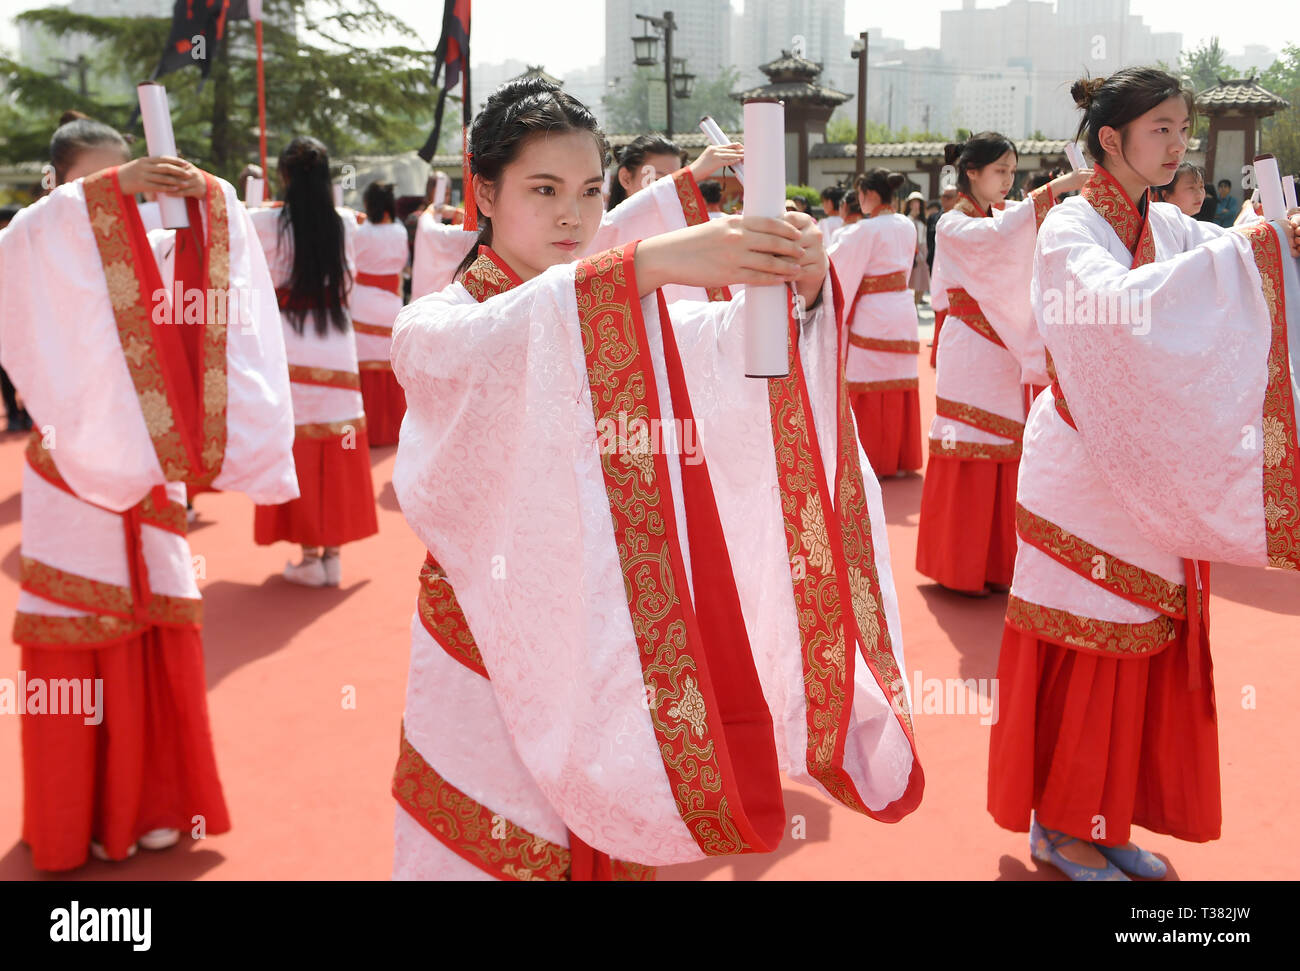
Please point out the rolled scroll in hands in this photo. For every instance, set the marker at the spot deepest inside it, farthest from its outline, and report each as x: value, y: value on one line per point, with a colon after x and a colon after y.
x: 1269, y: 182
x: 161, y: 140
x: 717, y: 137
x: 766, y: 308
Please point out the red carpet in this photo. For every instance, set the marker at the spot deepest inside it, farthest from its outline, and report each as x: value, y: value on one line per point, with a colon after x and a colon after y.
x: 306, y: 779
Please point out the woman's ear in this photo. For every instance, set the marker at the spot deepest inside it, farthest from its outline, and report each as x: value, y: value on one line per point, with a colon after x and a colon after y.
x: 1110, y: 140
x: 482, y: 195
x: 625, y: 177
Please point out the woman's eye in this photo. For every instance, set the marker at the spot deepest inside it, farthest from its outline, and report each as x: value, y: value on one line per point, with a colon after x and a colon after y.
x: 546, y: 189
x: 594, y: 191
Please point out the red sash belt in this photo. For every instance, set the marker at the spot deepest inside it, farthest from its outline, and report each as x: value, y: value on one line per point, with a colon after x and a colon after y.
x: 884, y: 283
x: 391, y: 282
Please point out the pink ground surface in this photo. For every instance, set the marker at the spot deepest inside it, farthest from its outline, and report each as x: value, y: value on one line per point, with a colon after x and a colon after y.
x: 307, y: 780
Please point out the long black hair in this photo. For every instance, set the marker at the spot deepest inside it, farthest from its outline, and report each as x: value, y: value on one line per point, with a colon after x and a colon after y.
x: 515, y: 111
x: 1127, y: 94
x: 80, y: 135
x: 633, y: 156
x: 975, y: 153
x: 320, y: 280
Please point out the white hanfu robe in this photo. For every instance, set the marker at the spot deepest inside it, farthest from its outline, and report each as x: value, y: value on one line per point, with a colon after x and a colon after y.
x: 539, y: 720
x: 982, y: 267
x: 82, y: 343
x: 1172, y: 343
x: 380, y: 250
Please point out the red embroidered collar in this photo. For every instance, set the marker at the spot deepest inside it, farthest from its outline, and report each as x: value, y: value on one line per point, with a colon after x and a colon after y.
x: 1107, y: 196
x: 488, y: 275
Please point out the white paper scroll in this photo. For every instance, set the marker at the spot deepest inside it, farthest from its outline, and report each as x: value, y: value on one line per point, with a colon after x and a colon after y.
x: 1075, y: 155
x: 338, y: 195
x: 150, y: 216
x: 254, y: 192
x: 1288, y: 191
x: 441, y: 183
x: 717, y: 137
x: 766, y: 308
x: 161, y: 140
x: 1270, y: 187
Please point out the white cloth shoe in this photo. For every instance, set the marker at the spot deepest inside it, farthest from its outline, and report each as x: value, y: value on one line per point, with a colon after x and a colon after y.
x: 333, y: 570
x: 160, y: 839
x: 99, y: 853
x: 308, y: 573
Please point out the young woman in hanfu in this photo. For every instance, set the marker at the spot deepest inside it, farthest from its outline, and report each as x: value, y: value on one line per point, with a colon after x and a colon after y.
x: 600, y: 681
x: 989, y: 368
x: 382, y: 249
x: 650, y: 196
x: 1168, y: 440
x: 872, y: 259
x: 137, y: 396
x: 310, y: 250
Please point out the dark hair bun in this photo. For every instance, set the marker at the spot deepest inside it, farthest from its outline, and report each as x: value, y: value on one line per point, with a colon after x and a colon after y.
x: 952, y: 151
x: 1084, y: 90
x: 897, y: 180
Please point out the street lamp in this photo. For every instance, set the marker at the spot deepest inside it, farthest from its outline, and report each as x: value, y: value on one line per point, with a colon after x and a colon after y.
x: 683, y: 81
x: 859, y: 54
x: 646, y: 49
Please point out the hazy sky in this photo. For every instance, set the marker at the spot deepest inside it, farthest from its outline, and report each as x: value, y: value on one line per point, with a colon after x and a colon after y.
x: 566, y: 34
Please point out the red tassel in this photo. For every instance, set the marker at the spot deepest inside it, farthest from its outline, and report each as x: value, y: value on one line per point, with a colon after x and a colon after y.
x: 471, y: 210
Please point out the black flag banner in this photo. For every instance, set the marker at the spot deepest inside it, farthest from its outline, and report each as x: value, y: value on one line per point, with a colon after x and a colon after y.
x: 452, y: 54
x: 198, y: 27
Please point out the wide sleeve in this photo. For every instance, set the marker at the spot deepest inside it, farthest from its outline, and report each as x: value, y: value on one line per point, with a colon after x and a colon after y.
x: 1178, y: 377
x: 991, y: 258
x: 259, y: 411
x: 670, y: 203
x: 850, y: 254
x: 439, y: 250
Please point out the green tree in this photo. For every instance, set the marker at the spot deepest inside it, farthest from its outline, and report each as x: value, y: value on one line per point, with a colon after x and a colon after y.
x: 321, y: 80
x: 844, y: 131
x: 1280, y: 134
x: 1202, y: 66
x: 627, y: 109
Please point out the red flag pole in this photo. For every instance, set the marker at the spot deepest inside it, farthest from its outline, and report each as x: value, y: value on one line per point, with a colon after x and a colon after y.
x: 261, y: 100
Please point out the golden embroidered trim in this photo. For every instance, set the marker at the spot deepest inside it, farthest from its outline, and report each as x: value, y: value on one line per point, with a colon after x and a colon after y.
x: 443, y: 618
x: 884, y: 283
x: 375, y: 365
x: 71, y: 590
x: 493, y: 843
x: 964, y: 307
x: 375, y: 330
x: 47, y: 630
x: 325, y: 377
x: 896, y: 384
x: 987, y: 421
x: 975, y: 450
x: 1281, y: 452
x: 1088, y: 634
x: 881, y: 344
x: 331, y: 429
x: 1105, y: 570
x: 1043, y: 201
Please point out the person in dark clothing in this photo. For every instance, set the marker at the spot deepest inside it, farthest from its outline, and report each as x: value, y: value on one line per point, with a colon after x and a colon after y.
x: 17, y: 418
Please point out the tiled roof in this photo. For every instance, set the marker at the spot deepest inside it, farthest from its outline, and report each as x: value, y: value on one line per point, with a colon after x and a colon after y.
x: 1243, y: 93
x: 795, y: 91
x: 1029, y: 146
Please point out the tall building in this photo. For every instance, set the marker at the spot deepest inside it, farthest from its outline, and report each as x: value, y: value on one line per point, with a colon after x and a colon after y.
x: 768, y: 27
x: 703, y: 36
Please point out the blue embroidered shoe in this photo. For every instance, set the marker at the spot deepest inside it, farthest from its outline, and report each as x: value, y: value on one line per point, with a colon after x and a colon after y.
x: 1137, y: 861
x: 1045, y: 845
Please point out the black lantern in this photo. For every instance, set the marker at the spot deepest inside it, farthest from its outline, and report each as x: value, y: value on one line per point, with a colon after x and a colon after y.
x: 646, y: 50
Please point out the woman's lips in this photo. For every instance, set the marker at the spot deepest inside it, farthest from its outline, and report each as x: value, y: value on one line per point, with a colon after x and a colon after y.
x: 568, y: 246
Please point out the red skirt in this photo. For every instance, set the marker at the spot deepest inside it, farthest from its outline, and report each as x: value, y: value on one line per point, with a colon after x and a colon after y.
x: 336, y: 502
x: 1078, y: 735
x: 385, y: 404
x: 967, y: 534
x: 889, y: 426
x: 148, y: 765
